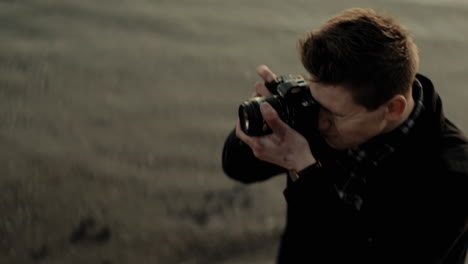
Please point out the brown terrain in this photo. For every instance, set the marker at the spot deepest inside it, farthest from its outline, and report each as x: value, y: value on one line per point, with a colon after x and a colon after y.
x: 113, y: 116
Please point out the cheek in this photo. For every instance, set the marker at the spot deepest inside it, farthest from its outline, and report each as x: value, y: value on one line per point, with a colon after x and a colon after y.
x: 355, y: 131
x: 346, y: 129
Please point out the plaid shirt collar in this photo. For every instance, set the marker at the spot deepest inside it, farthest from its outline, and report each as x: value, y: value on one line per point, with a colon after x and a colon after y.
x: 374, y: 151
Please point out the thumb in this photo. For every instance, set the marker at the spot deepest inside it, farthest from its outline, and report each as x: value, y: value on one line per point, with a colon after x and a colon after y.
x: 272, y: 119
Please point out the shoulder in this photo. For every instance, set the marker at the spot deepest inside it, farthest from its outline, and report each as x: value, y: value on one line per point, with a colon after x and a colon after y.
x: 455, y: 159
x: 454, y: 149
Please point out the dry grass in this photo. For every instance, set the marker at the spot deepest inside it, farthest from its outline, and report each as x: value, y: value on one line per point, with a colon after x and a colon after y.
x: 117, y: 111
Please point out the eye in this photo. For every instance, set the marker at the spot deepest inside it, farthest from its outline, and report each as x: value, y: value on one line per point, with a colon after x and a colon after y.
x: 338, y: 117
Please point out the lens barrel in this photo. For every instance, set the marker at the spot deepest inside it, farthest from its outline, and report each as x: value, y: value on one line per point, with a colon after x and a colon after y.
x: 292, y: 100
x: 251, y: 119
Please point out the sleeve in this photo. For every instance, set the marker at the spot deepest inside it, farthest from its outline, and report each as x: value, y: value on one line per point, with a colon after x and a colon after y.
x: 239, y: 162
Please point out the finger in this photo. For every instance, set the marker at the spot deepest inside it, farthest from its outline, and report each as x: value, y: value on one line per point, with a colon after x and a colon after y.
x: 260, y: 89
x: 242, y: 136
x: 273, y: 120
x: 265, y: 73
x: 256, y: 144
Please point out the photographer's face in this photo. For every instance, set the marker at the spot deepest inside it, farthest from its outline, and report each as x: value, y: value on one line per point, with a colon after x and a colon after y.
x: 342, y: 122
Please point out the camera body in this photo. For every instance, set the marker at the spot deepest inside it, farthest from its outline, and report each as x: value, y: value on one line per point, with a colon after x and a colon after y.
x: 292, y: 100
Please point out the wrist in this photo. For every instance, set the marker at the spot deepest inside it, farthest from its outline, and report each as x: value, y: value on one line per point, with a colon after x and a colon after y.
x: 295, y: 175
x: 303, y: 163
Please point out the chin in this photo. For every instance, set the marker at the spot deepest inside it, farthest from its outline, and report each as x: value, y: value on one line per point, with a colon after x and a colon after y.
x: 332, y: 144
x: 336, y: 145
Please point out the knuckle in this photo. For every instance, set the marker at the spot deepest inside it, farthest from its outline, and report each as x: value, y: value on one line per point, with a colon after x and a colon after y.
x: 258, y: 153
x: 271, y: 118
x: 258, y: 86
x: 257, y: 148
x: 238, y: 131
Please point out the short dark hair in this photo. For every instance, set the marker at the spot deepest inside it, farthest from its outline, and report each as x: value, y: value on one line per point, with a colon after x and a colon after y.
x: 370, y: 53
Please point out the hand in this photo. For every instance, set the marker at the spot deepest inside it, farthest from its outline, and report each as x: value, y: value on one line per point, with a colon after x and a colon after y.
x: 267, y: 76
x: 285, y: 147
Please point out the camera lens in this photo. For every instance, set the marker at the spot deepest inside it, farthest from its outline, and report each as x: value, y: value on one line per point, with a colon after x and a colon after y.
x: 293, y: 102
x: 250, y: 116
x: 245, y: 120
x: 251, y: 119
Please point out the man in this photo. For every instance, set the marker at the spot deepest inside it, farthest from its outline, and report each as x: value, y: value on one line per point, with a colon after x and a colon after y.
x: 387, y: 180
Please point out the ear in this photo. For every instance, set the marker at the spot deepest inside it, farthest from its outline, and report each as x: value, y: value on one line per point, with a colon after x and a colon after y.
x: 395, y: 108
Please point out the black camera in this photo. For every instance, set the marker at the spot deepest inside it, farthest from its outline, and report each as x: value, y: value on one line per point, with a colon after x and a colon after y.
x: 292, y: 100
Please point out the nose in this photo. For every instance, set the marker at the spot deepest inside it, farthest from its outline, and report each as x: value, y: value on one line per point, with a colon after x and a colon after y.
x: 324, y: 121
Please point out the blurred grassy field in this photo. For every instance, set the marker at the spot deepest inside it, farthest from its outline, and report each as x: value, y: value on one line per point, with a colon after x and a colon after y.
x: 118, y: 110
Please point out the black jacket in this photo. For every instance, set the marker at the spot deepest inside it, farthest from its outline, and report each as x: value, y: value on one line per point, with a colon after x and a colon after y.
x: 415, y: 207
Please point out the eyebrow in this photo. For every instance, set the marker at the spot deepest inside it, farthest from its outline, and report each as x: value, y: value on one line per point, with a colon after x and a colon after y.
x: 326, y: 109
x: 308, y: 78
x: 330, y: 111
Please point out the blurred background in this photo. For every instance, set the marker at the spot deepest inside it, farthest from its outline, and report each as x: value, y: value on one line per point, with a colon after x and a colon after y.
x: 113, y: 115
